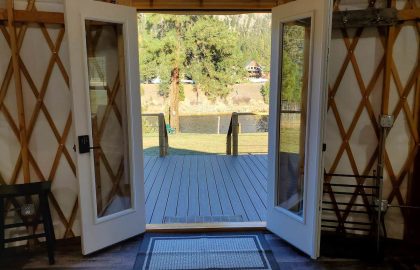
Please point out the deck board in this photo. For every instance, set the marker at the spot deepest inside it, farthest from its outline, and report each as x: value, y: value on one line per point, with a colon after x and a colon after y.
x: 151, y: 161
x: 193, y: 201
x: 165, y: 189
x: 253, y: 185
x: 231, y: 190
x: 243, y: 194
x: 262, y: 160
x: 154, y: 170
x: 248, y: 196
x: 153, y: 190
x: 203, y: 193
x: 260, y: 183
x: 225, y: 201
x: 255, y: 171
x: 205, y: 185
x: 182, y: 204
x: 173, y: 198
x: 260, y: 169
x: 214, y: 200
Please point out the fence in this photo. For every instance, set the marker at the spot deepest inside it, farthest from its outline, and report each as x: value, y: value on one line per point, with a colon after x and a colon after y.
x: 239, y: 139
x: 252, y: 133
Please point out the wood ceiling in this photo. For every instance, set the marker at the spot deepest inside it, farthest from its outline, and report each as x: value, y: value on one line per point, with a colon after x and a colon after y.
x: 228, y: 5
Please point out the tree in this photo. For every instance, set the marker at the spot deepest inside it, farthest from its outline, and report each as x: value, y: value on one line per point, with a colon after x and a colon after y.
x: 174, y: 46
x: 293, y: 62
x: 265, y: 92
x: 162, y: 54
x: 213, y: 56
x: 213, y: 51
x: 254, y: 31
x: 291, y: 81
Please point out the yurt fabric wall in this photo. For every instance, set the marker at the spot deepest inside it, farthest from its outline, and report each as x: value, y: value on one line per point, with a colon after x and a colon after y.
x: 373, y: 71
x: 36, y: 131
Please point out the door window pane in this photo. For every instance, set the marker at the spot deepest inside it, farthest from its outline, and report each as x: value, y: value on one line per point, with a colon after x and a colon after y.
x: 107, y: 93
x: 295, y: 53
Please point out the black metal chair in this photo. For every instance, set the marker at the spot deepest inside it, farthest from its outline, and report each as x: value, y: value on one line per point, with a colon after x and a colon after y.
x: 10, y: 192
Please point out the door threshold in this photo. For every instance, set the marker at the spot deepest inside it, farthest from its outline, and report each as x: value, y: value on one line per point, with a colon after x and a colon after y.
x: 207, y: 227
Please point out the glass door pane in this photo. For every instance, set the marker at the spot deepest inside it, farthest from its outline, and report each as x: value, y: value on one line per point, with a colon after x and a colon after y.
x: 107, y: 97
x: 295, y: 46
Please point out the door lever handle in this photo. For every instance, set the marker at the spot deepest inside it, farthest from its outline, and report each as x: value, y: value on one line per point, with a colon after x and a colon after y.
x: 84, y: 145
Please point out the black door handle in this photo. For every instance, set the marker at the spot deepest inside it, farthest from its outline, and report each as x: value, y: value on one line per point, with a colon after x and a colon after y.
x: 84, y: 144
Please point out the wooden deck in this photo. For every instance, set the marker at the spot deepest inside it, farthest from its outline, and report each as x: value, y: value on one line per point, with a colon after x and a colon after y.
x: 205, y: 186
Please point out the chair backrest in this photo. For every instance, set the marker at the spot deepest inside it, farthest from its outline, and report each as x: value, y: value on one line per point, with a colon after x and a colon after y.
x: 25, y: 189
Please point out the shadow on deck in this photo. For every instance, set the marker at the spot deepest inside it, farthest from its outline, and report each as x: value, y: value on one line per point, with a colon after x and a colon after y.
x: 205, y: 188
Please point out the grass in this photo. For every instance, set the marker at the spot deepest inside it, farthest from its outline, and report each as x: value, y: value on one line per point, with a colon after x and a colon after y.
x: 200, y: 144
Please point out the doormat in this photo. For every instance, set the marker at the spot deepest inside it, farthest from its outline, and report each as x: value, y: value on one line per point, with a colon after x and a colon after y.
x: 205, y: 251
x: 202, y: 219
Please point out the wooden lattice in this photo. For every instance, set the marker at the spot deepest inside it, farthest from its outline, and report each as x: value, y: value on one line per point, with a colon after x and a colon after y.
x: 14, y: 33
x: 388, y: 69
x: 14, y: 25
x: 411, y: 115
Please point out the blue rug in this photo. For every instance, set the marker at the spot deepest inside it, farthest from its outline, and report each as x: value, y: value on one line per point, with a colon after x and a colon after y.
x: 205, y: 251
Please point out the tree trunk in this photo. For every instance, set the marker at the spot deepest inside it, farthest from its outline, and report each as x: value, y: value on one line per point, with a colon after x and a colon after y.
x: 174, y: 99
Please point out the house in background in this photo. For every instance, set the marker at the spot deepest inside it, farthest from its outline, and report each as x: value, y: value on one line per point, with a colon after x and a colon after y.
x: 254, y: 69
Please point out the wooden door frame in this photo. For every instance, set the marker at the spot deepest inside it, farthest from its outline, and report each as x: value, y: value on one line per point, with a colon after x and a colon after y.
x: 412, y: 233
x: 207, y: 227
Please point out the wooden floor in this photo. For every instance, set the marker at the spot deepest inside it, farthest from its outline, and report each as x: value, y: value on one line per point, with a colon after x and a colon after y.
x: 122, y: 257
x: 206, y: 186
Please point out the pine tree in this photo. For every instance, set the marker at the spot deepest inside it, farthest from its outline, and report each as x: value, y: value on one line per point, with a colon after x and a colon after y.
x: 200, y: 47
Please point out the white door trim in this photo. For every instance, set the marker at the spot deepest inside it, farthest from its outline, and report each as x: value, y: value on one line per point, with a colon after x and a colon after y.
x: 302, y: 232
x: 101, y: 232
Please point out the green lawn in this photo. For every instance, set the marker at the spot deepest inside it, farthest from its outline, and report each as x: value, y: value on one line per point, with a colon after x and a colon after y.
x: 196, y: 144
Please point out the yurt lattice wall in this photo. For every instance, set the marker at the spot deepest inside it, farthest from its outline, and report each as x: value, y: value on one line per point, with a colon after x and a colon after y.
x: 37, y: 136
x: 37, y: 141
x: 35, y: 120
x: 373, y: 71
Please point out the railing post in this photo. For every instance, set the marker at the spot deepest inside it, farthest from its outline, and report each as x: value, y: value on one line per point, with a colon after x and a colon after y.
x: 229, y: 143
x: 166, y: 138
x: 235, y: 132
x: 162, y: 133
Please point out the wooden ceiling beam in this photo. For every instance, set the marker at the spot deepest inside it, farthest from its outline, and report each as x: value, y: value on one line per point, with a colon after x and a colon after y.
x: 409, y: 14
x: 26, y: 16
x: 148, y: 5
x: 125, y: 2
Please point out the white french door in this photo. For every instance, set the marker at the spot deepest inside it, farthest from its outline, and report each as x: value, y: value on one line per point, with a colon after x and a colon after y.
x: 300, y: 41
x: 103, y: 53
